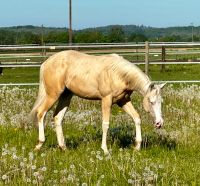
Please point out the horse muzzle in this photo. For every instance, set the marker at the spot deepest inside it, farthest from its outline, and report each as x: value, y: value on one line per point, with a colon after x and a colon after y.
x: 158, y: 124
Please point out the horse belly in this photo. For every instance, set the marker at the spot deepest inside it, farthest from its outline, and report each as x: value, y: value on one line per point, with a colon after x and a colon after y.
x: 84, y: 88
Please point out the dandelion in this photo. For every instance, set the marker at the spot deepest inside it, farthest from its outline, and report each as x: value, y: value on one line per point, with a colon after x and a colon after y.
x: 22, y: 164
x: 34, y: 182
x: 120, y: 149
x: 43, y: 169
x: 55, y: 171
x: 102, y: 176
x: 28, y: 180
x: 15, y: 156
x: 130, y: 181
x: 4, y: 177
x: 98, y: 152
x: 36, y: 174
x: 43, y: 155
x: 70, y: 177
x: 4, y: 153
x: 33, y: 167
x: 99, y: 157
x: 92, y: 152
x: 23, y: 171
x: 64, y: 171
x: 31, y: 156
x: 91, y: 160
x: 72, y: 166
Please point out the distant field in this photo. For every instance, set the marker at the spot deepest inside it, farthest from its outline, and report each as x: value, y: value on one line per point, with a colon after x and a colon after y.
x: 172, y: 72
x: 20, y: 75
x: 169, y: 156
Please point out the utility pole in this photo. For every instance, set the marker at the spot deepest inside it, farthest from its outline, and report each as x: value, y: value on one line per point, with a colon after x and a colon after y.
x: 147, y: 57
x: 42, y: 35
x: 192, y: 25
x: 70, y: 22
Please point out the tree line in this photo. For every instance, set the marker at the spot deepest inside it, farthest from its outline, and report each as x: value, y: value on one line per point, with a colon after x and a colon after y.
x: 115, y: 34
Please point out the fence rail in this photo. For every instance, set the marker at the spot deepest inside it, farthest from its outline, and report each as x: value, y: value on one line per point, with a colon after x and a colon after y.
x: 37, y: 84
x: 54, y: 47
x: 35, y: 52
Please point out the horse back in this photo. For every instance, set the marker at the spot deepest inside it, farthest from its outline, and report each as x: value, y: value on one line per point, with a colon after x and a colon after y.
x: 85, y: 75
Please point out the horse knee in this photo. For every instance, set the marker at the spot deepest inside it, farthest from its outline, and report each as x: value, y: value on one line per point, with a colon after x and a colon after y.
x: 137, y: 121
x: 40, y: 115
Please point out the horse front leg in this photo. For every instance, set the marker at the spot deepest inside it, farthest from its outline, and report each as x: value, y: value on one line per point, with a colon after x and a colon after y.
x: 128, y: 108
x: 106, y: 108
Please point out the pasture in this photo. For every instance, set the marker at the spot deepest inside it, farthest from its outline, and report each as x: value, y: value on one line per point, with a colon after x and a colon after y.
x: 172, y: 72
x: 169, y: 156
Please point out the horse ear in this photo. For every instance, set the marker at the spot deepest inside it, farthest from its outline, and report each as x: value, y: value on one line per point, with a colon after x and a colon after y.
x: 162, y: 85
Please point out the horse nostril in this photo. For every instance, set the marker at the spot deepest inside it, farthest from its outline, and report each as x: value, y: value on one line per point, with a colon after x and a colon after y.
x: 158, y: 125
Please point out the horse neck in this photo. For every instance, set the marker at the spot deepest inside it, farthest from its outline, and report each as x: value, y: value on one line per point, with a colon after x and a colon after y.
x: 140, y: 83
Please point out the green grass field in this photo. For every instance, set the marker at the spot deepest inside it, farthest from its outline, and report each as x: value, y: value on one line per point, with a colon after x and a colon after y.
x: 169, y: 156
x: 172, y: 72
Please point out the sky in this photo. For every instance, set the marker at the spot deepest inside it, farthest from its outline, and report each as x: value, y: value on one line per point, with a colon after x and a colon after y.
x: 94, y: 13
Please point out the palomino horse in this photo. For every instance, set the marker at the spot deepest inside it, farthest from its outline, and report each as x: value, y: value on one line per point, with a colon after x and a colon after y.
x: 109, y: 78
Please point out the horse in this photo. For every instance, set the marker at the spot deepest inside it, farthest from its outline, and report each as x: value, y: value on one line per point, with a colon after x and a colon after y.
x: 109, y: 78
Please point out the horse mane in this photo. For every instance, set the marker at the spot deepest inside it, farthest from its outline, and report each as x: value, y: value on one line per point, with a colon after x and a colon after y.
x: 134, y: 77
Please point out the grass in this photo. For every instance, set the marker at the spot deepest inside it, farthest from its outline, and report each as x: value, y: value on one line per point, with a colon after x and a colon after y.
x: 20, y: 75
x: 169, y: 156
x: 172, y: 72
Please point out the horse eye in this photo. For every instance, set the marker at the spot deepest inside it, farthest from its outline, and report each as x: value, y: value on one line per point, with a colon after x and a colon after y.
x: 152, y: 102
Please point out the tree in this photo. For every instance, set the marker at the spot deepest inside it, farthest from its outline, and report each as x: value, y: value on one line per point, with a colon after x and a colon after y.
x: 27, y: 38
x: 7, y: 37
x: 134, y: 37
x: 116, y: 34
x: 88, y: 37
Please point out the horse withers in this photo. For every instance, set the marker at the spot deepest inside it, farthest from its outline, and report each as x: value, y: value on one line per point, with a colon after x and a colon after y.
x: 109, y: 78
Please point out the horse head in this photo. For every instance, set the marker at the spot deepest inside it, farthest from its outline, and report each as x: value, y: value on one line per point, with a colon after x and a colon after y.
x: 152, y: 103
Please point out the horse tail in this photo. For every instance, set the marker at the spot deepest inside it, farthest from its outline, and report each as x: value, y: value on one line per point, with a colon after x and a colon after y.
x: 41, y: 95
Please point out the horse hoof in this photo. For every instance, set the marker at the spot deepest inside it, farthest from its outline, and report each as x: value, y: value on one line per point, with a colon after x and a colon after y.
x: 36, y: 149
x: 137, y: 148
x: 62, y: 148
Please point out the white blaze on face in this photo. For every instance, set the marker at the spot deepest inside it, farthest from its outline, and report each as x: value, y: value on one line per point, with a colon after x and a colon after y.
x: 152, y: 102
x: 155, y: 102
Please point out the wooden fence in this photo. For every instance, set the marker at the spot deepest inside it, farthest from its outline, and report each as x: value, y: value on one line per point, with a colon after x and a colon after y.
x: 33, y: 56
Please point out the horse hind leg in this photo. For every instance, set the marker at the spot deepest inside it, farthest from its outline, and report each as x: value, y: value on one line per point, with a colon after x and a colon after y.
x: 106, y: 108
x: 41, y: 112
x: 63, y: 104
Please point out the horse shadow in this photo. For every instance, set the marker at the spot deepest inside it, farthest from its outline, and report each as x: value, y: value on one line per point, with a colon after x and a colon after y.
x: 124, y: 136
x: 121, y: 136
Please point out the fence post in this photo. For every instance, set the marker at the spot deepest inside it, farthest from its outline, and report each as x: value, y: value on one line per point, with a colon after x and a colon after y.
x: 163, y: 59
x: 147, y: 57
x: 1, y: 70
